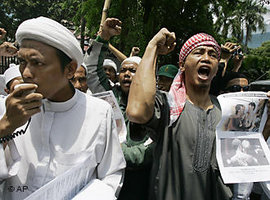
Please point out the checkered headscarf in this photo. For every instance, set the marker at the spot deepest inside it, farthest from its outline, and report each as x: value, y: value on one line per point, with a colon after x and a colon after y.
x: 200, y: 39
x: 177, y: 93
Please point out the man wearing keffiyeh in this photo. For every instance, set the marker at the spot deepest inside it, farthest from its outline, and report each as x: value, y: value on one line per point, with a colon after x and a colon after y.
x: 184, y: 121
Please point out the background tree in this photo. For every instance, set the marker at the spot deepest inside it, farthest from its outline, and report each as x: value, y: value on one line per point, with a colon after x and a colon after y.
x: 253, y: 18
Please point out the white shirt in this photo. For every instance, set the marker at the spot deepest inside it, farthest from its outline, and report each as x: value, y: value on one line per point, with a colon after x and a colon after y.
x: 58, y: 138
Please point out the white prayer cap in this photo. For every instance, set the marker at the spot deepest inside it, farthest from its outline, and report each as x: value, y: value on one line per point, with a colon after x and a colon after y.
x: 11, y: 73
x: 84, y: 66
x: 50, y: 32
x: 135, y: 59
x: 109, y: 62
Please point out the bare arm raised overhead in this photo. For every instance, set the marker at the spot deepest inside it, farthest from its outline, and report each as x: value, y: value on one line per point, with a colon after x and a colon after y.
x: 143, y: 87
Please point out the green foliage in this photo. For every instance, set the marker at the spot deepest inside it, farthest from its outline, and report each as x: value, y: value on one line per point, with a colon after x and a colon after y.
x: 256, y: 67
x: 14, y: 12
x: 257, y: 62
x: 141, y: 19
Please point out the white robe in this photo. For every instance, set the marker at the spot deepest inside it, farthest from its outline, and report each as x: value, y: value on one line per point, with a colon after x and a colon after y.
x: 61, y: 136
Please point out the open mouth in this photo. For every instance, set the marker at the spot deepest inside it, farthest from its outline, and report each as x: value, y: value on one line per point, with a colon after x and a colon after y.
x: 126, y: 83
x: 204, y: 72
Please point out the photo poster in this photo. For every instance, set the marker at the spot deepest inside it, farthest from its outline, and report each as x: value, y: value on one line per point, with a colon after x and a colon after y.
x: 242, y: 153
x: 118, y: 116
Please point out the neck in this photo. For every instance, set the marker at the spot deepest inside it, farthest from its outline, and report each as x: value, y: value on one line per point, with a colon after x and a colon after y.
x: 199, y: 96
x: 64, y: 94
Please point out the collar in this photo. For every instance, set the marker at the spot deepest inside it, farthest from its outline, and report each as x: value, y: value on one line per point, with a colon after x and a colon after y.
x: 60, y: 106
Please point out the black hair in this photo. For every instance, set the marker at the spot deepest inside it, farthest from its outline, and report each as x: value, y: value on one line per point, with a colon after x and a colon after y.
x: 64, y: 59
x: 238, y: 107
x: 230, y: 75
x: 252, y: 104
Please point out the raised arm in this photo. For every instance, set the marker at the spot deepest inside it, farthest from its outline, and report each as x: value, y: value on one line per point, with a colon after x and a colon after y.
x: 6, y: 48
x: 97, y: 80
x: 143, y: 87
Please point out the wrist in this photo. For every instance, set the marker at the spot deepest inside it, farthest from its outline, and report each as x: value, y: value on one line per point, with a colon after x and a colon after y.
x: 102, y: 40
x: 104, y: 35
x: 5, y: 127
x: 152, y: 44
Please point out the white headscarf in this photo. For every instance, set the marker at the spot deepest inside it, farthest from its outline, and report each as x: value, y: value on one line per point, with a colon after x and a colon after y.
x: 50, y: 32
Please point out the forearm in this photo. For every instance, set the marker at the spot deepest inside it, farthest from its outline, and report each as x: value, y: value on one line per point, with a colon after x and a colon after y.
x: 97, y: 80
x: 143, y: 88
x: 5, y: 127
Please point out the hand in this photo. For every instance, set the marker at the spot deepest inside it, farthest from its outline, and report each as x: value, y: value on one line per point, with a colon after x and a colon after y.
x: 20, y: 106
x: 2, y: 33
x: 8, y: 49
x: 165, y: 41
x: 237, y: 62
x: 227, y: 49
x: 135, y: 51
x: 109, y: 28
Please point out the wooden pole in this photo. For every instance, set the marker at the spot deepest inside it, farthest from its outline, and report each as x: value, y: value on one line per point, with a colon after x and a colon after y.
x: 120, y: 56
x: 106, y: 7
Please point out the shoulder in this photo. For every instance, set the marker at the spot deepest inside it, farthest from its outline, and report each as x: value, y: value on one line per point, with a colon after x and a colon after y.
x: 93, y: 103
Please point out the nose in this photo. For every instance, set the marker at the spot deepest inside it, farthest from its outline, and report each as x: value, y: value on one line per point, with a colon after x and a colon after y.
x: 206, y: 57
x: 77, y: 84
x: 27, y: 72
x: 128, y: 73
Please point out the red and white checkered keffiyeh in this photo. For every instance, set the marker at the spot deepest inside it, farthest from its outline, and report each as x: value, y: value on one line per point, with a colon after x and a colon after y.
x: 177, y: 93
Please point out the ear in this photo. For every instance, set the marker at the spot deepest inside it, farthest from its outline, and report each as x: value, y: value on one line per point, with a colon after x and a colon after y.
x: 6, y: 90
x: 181, y: 66
x: 70, y: 69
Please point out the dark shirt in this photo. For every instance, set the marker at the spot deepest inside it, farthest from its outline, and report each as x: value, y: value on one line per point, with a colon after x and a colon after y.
x: 185, y: 165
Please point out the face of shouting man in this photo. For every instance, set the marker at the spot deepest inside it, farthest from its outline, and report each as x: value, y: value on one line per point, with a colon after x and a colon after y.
x: 127, y: 71
x: 200, y: 66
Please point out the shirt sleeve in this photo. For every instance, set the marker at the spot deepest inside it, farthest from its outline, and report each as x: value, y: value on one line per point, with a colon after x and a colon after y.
x: 97, y: 80
x: 138, y: 155
x: 9, y: 160
x: 160, y: 117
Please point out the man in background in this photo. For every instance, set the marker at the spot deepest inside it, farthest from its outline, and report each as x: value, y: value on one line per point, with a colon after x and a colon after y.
x: 166, y: 74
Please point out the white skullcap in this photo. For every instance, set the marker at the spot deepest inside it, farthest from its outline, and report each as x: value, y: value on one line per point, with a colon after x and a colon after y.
x: 11, y: 73
x: 50, y: 32
x: 84, y: 66
x: 135, y: 59
x: 109, y: 62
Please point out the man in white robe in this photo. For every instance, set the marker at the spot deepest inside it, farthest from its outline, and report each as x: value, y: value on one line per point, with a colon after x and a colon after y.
x: 67, y: 127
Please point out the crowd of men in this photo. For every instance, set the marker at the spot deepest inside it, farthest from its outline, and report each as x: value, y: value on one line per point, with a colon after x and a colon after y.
x: 51, y: 124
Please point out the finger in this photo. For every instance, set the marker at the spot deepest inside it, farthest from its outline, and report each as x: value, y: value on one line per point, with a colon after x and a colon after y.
x: 112, y: 22
x: 23, y: 88
x: 31, y: 112
x: 32, y: 105
x: 118, y: 28
x: 171, y: 47
x: 268, y: 94
x: 32, y: 97
x: 170, y: 38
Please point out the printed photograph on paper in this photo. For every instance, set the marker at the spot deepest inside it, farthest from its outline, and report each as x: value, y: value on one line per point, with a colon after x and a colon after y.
x: 243, y: 115
x: 242, y: 152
